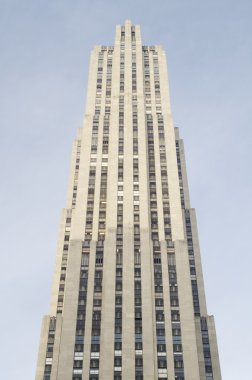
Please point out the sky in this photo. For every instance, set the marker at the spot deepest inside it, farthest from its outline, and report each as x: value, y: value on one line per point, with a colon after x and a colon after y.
x: 44, y: 58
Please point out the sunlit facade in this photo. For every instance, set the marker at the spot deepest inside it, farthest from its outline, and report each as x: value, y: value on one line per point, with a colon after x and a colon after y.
x: 128, y: 296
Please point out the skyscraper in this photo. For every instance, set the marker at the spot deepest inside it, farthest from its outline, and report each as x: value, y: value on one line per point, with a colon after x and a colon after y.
x: 128, y: 296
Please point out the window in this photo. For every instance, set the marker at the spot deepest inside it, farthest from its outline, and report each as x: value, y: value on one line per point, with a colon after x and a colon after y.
x: 97, y: 302
x: 138, y: 330
x: 137, y: 257
x: 178, y: 363
x: 177, y: 347
x: 119, y: 257
x: 118, y: 285
x: 160, y: 331
x: 118, y: 346
x: 175, y: 316
x: 117, y: 377
x: 137, y: 272
x: 138, y: 300
x: 209, y: 369
x: 160, y: 315
x: 85, y: 259
x: 161, y: 348
x: 159, y: 302
x: 118, y: 329
x: 139, y: 362
x: 176, y: 332
x: 118, y: 361
x: 94, y: 363
x: 118, y: 300
x: 77, y: 363
x: 96, y: 316
x: 162, y: 363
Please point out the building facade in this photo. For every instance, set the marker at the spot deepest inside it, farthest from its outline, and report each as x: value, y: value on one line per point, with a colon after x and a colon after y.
x: 128, y: 296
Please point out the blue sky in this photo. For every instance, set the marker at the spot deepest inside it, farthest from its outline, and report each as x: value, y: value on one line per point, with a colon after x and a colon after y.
x: 45, y: 47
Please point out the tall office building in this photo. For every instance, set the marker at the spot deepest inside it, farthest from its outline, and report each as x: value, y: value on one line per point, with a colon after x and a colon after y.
x: 128, y: 297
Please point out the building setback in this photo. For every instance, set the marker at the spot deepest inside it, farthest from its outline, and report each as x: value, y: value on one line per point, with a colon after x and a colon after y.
x: 128, y: 297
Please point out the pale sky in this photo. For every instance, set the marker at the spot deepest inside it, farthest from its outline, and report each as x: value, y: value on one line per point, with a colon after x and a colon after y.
x: 44, y: 49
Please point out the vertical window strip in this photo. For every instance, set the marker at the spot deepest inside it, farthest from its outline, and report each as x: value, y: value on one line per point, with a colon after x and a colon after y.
x: 156, y: 82
x: 182, y: 195
x: 81, y: 316
x: 119, y: 232
x: 81, y: 313
x: 49, y: 348
x: 191, y: 258
x: 64, y: 262
x: 76, y: 173
x: 158, y: 280
x: 189, y: 237
x: 97, y: 295
x: 137, y: 243
x: 206, y: 349
x: 175, y: 316
x: 164, y: 181
x: 174, y: 300
x: 96, y: 319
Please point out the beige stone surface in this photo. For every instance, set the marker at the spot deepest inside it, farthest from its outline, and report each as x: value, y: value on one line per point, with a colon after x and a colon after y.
x: 64, y: 343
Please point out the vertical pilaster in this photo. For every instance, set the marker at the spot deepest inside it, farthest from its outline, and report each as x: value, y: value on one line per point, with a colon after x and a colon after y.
x: 172, y: 169
x: 200, y: 349
x: 73, y: 177
x: 167, y: 312
x: 89, y: 312
x: 188, y: 332
x: 183, y: 169
x: 57, y: 270
x: 79, y: 213
x: 148, y: 300
x: 99, y: 154
x: 108, y: 295
x: 199, y: 274
x: 128, y: 321
x: 66, y: 355
x: 42, y: 348
x: 157, y: 155
x: 213, y: 348
x: 56, y: 348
